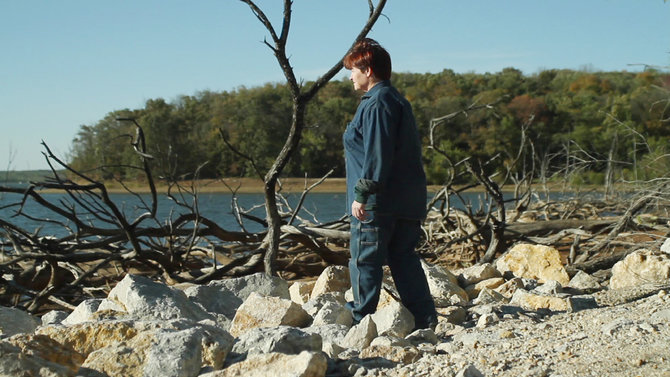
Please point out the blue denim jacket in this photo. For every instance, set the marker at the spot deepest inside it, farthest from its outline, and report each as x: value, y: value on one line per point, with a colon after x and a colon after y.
x: 383, y: 155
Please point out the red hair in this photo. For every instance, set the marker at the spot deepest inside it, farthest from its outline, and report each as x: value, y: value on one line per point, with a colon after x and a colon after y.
x: 369, y: 54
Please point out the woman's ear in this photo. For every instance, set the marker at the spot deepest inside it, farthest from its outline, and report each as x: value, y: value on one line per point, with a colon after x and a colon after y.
x: 368, y: 72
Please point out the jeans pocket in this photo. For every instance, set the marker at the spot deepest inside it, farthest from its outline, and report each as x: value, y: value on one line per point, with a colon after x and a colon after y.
x: 370, y: 218
x: 369, y: 235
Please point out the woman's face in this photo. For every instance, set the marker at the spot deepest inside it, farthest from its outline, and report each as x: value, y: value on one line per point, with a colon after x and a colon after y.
x: 362, y: 79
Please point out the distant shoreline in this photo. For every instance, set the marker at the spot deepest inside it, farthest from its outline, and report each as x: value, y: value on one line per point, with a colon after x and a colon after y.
x: 255, y: 186
x: 238, y: 185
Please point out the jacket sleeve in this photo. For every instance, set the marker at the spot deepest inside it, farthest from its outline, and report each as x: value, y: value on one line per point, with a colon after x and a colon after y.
x: 379, y: 140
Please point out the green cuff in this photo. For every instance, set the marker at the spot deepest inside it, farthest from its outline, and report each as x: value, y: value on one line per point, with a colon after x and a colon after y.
x: 359, y: 197
x: 363, y: 189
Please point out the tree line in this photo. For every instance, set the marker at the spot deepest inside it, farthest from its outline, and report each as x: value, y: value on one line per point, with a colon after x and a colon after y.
x: 615, y: 123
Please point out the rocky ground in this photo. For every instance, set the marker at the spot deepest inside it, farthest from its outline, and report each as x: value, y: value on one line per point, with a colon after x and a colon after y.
x: 522, y: 316
x: 630, y: 339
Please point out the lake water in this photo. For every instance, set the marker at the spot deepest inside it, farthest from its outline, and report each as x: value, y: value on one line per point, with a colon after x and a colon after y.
x: 317, y: 208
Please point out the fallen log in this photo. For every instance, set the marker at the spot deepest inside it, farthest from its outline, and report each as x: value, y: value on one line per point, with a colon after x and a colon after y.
x: 543, y: 228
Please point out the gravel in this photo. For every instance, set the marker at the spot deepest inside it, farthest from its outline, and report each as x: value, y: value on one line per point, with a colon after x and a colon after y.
x: 626, y: 339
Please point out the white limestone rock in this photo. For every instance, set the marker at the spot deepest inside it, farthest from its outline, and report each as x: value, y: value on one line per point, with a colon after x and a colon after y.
x: 509, y: 287
x: 666, y: 246
x: 140, y: 297
x: 215, y: 299
x: 264, y: 311
x: 260, y: 283
x: 444, y: 286
x: 539, y: 262
x: 550, y: 287
x: 332, y: 279
x: 14, y: 362
x: 394, y: 319
x: 477, y: 273
x: 361, y: 335
x: 470, y: 371
x: 333, y: 313
x: 54, y: 317
x: 473, y: 289
x: 284, y: 339
x: 314, y: 305
x: 37, y: 346
x: 532, y: 301
x: 301, y: 291
x: 401, y: 355
x: 489, y: 296
x: 639, y: 268
x: 305, y: 364
x: 83, y: 312
x: 160, y: 352
x: 423, y: 336
x: 329, y: 333
x: 584, y: 282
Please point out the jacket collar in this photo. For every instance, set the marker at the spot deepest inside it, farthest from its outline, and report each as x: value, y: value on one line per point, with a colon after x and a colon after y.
x: 377, y: 87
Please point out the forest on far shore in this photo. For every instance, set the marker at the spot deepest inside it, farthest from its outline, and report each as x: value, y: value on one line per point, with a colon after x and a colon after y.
x: 592, y: 121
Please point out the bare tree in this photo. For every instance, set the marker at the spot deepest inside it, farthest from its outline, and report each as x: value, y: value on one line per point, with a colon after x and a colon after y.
x: 300, y: 97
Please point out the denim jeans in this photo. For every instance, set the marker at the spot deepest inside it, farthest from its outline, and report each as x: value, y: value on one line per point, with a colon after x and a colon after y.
x: 384, y: 239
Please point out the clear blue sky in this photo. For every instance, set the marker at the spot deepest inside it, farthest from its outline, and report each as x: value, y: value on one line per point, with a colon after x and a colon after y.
x: 68, y: 63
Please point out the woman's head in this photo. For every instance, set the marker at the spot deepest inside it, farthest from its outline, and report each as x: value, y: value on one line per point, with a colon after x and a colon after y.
x: 369, y: 55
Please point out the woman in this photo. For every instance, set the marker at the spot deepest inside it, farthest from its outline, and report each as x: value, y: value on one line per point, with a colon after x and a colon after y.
x: 386, y: 189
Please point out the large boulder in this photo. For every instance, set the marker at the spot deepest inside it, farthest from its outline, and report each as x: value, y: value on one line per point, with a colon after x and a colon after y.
x: 641, y: 267
x: 263, y: 311
x: 215, y: 299
x: 163, y: 352
x: 139, y: 348
x: 539, y: 262
x: 89, y: 336
x: 142, y: 298
x: 259, y: 283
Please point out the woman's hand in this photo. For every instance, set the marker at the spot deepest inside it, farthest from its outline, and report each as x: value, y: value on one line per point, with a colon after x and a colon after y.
x: 358, y: 211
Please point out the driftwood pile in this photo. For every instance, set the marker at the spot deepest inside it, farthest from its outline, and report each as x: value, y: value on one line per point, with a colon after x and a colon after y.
x: 40, y: 272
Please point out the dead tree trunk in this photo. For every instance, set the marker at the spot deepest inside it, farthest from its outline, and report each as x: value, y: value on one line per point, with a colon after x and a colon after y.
x: 300, y: 99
